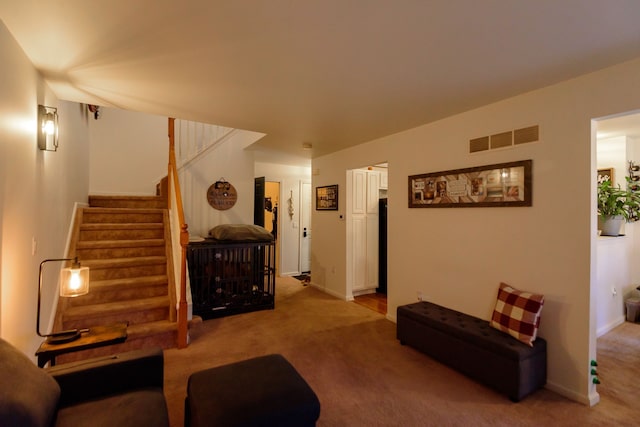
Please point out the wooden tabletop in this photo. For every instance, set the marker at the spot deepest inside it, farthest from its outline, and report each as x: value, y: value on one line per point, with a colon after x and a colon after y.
x: 96, y: 336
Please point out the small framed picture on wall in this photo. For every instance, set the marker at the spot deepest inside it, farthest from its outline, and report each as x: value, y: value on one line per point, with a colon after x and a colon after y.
x: 605, y: 174
x: 327, y: 198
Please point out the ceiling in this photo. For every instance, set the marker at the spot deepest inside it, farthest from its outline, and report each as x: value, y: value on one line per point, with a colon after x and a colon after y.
x: 331, y: 73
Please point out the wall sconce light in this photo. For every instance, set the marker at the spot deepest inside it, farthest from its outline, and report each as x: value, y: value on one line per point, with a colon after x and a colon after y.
x: 74, y: 281
x: 47, y: 128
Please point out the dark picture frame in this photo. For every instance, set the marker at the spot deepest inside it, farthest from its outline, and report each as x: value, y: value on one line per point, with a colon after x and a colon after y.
x: 327, y: 198
x: 497, y: 185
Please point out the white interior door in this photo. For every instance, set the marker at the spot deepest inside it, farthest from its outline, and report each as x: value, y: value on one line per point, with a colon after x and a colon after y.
x: 305, y: 227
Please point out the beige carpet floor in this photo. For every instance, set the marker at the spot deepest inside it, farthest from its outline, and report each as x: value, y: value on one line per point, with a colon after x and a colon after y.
x: 364, y: 377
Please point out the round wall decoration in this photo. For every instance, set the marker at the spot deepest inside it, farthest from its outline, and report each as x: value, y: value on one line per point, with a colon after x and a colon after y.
x: 221, y: 195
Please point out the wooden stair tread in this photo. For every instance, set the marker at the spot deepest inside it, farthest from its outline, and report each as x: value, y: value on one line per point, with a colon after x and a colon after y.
x: 98, y: 310
x: 121, y: 226
x: 134, y: 202
x: 135, y: 198
x: 116, y: 211
x: 129, y: 282
x: 151, y: 328
x: 101, y: 244
x: 158, y: 327
x: 124, y: 262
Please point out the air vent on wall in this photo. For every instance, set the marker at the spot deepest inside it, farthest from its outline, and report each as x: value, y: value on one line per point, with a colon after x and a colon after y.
x: 501, y: 140
x: 504, y: 139
x: 524, y: 135
x: 479, y: 144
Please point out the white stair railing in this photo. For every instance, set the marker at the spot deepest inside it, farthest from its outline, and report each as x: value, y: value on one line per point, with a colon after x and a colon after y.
x: 193, y: 140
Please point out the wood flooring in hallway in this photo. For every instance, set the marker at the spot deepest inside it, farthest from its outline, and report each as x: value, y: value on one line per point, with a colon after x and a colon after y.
x: 376, y: 302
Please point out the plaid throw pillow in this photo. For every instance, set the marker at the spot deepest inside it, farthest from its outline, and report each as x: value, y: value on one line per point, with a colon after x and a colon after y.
x: 517, y: 313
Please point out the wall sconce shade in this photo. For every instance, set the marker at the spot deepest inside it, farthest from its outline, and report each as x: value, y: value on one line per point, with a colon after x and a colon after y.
x: 74, y: 281
x: 47, y: 128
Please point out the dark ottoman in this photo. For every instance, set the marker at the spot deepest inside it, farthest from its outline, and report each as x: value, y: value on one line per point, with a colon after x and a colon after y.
x: 264, y: 391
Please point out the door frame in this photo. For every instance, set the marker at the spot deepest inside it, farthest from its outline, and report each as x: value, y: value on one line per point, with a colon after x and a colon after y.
x: 305, y: 218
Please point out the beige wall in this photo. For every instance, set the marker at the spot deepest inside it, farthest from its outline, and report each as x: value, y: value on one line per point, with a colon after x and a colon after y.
x: 458, y: 257
x: 129, y: 152
x: 37, y: 192
x: 231, y: 161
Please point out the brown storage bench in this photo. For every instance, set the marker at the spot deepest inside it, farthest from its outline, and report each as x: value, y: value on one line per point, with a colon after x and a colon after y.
x: 474, y: 348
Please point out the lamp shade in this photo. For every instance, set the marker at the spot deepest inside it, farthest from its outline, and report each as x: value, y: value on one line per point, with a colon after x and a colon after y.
x: 74, y: 281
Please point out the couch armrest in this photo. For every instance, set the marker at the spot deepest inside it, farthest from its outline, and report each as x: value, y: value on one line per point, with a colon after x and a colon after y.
x: 93, y: 378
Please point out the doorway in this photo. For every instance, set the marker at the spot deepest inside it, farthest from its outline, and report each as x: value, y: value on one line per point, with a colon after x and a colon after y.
x: 617, y: 273
x: 617, y: 150
x: 266, y: 210
x: 305, y: 225
x: 366, y: 216
x: 271, y: 214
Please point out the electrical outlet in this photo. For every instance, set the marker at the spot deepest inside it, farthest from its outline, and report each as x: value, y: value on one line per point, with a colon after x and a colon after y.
x: 614, y: 291
x: 420, y: 296
x: 34, y: 246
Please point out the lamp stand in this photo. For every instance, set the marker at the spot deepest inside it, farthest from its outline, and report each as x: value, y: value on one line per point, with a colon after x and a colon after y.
x: 56, y: 337
x: 63, y: 337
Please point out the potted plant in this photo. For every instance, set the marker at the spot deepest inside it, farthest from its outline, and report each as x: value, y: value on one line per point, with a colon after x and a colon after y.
x: 615, y: 206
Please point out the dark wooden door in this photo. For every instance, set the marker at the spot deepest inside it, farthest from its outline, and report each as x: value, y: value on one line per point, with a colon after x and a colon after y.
x: 258, y: 203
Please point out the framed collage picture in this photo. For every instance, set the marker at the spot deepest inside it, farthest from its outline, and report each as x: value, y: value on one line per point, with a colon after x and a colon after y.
x: 504, y: 184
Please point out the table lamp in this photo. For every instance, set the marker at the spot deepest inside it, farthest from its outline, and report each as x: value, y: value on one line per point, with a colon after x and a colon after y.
x: 74, y: 281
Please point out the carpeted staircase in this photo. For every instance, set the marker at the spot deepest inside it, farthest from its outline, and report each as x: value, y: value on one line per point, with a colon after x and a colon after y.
x: 124, y: 241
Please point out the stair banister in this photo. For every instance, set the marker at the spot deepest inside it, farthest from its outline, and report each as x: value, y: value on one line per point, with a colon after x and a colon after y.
x: 175, y: 196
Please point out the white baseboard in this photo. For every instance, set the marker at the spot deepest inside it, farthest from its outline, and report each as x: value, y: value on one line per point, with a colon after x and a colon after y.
x: 606, y: 328
x: 572, y: 394
x: 289, y: 273
x: 364, y: 292
x: 330, y: 292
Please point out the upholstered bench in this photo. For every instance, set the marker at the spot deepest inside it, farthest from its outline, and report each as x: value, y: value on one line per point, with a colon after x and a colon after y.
x: 471, y: 346
x: 264, y: 391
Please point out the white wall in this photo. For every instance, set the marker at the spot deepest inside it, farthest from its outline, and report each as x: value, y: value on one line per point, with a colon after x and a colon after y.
x: 229, y: 160
x: 129, y: 152
x: 37, y: 192
x: 290, y: 179
x: 458, y: 257
x: 612, y: 153
x: 613, y: 281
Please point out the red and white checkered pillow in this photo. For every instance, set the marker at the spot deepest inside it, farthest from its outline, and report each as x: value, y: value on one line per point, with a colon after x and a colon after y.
x: 517, y: 313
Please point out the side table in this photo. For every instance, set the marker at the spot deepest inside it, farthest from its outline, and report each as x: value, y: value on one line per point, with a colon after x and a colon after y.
x: 97, y: 336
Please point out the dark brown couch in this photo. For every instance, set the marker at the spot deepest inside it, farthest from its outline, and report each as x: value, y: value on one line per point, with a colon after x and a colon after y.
x: 122, y: 390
